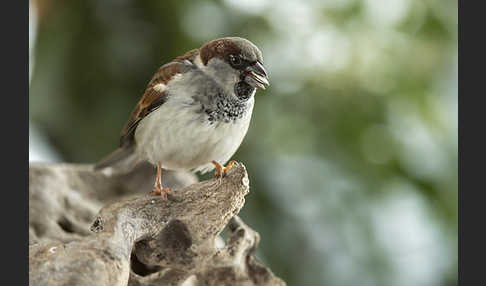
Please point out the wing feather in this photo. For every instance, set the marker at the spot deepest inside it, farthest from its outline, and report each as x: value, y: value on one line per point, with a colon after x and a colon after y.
x: 155, y: 94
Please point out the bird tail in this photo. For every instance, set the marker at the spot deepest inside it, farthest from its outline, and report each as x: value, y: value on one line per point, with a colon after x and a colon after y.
x: 121, y: 160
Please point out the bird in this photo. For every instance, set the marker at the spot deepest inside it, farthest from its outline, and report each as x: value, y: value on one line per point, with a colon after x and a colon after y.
x: 195, y: 111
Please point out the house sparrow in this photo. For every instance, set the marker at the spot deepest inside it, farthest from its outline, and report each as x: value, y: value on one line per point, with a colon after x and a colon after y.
x: 195, y: 111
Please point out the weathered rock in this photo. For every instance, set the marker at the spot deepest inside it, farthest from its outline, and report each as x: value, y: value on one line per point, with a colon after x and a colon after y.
x: 64, y: 198
x: 140, y: 239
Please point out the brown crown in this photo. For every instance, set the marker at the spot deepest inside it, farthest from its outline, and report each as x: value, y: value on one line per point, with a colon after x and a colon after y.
x: 220, y: 48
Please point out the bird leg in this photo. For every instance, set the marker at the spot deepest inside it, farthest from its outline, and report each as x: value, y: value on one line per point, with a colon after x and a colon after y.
x: 220, y: 171
x: 158, y: 190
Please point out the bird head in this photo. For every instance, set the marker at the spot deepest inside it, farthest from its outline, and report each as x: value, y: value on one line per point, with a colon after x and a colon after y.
x: 234, y: 60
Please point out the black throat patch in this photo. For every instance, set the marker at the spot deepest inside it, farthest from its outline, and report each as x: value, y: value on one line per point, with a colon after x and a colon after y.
x: 227, y: 108
x: 243, y: 90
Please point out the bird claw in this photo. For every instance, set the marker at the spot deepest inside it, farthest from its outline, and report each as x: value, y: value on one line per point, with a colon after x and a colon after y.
x: 221, y: 171
x: 159, y: 191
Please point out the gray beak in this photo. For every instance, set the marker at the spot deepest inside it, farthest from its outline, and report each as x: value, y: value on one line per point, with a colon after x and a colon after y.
x: 256, y: 76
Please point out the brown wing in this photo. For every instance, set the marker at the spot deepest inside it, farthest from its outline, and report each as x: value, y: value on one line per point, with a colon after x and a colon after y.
x: 154, y: 96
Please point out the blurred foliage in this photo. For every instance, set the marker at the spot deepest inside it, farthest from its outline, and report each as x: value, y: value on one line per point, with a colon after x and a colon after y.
x: 352, y: 151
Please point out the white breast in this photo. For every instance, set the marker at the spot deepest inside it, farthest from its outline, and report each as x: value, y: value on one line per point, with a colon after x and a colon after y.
x: 177, y: 136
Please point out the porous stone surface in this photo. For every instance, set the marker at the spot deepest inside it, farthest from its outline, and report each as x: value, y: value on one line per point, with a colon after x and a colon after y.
x: 97, y: 228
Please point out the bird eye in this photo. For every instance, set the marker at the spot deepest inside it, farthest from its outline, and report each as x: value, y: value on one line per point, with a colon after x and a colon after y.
x: 235, y: 60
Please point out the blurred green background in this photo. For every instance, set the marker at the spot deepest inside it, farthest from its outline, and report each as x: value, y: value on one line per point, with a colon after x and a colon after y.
x: 351, y: 152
